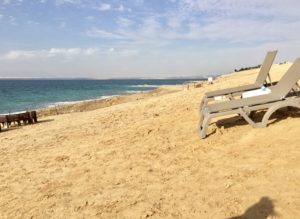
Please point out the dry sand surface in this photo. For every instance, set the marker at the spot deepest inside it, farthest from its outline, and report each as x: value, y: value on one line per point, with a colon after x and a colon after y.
x: 144, y: 159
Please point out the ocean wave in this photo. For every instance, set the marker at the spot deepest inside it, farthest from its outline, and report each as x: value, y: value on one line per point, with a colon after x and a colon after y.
x: 133, y: 91
x: 145, y: 85
x: 63, y: 103
x: 12, y: 113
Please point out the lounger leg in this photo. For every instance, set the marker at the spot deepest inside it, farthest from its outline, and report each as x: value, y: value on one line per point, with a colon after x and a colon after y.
x: 249, y: 120
x: 205, y: 118
x: 203, y: 125
x: 203, y: 103
x: 272, y: 109
x: 201, y: 119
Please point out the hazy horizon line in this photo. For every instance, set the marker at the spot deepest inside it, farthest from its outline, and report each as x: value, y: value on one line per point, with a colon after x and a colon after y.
x: 91, y: 78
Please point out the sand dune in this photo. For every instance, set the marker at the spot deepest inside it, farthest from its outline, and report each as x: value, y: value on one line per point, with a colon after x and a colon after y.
x: 143, y: 159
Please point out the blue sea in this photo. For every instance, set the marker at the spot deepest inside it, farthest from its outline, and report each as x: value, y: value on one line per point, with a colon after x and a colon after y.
x: 18, y: 95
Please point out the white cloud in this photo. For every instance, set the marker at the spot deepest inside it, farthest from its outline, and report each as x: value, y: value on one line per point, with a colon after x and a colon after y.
x: 13, y: 55
x: 12, y: 20
x: 6, y: 2
x: 51, y: 53
x: 236, y: 8
x: 8, y: 19
x: 121, y: 8
x: 64, y: 52
x: 180, y: 29
x: 174, y: 21
x: 67, y: 54
x: 124, y: 22
x: 90, y: 51
x: 62, y: 2
x: 139, y: 2
x: 98, y: 33
x: 229, y: 21
x: 104, y: 7
x: 123, y: 53
x: 151, y: 28
x: 12, y: 2
x: 128, y: 53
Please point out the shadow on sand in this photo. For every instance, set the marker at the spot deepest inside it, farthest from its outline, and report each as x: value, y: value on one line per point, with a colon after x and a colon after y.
x: 260, y: 210
x: 279, y: 115
x: 14, y: 127
x: 45, y: 120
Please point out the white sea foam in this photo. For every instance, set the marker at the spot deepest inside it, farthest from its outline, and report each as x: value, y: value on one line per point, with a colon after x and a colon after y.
x: 12, y: 113
x: 64, y: 103
x: 133, y: 92
x: 145, y: 85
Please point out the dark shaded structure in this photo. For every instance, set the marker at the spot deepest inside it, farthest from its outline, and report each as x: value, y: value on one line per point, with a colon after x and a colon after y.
x: 18, y: 118
x: 260, y: 210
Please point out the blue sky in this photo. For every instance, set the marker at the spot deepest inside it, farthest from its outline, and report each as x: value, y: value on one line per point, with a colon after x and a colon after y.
x: 143, y: 38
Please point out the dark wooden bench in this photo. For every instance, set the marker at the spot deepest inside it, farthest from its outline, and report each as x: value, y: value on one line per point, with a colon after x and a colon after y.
x: 13, y: 118
x: 23, y: 117
x: 33, y: 116
x: 3, y: 121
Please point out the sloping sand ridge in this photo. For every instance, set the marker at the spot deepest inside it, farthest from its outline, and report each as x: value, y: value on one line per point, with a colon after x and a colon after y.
x: 144, y: 159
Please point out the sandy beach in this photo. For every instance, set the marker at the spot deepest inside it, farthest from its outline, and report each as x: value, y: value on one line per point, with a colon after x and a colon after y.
x: 142, y: 158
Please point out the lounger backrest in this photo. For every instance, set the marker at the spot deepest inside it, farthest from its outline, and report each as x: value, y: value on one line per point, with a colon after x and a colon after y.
x: 288, y: 80
x: 265, y: 67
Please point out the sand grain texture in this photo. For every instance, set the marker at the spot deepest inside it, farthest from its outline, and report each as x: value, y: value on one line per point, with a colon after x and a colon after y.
x: 144, y: 159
